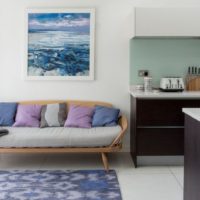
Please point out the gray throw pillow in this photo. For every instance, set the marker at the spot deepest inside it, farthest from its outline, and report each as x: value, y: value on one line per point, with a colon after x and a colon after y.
x: 53, y: 115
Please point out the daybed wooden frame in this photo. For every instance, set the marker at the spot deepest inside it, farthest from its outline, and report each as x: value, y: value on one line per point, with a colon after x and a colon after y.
x: 115, y: 146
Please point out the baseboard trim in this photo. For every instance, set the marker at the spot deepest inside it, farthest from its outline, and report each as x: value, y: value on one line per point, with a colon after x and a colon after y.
x: 160, y: 160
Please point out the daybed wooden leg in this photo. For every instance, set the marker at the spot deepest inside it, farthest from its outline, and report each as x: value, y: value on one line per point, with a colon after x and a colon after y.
x: 105, y: 161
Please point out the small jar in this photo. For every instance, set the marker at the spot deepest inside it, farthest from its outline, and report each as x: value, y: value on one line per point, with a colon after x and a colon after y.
x: 147, y: 84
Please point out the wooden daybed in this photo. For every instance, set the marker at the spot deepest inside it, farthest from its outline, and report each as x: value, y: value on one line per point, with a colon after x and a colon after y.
x: 115, y: 146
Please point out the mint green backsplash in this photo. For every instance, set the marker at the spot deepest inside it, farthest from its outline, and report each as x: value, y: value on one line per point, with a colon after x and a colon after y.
x: 163, y: 57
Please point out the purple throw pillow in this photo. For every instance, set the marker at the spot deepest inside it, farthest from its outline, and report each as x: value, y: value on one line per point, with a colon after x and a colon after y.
x: 79, y: 116
x: 28, y: 115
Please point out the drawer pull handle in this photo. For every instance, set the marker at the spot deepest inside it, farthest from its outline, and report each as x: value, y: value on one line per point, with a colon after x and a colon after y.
x: 160, y: 127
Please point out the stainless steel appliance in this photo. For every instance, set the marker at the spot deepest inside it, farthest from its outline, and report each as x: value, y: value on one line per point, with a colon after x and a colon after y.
x: 172, y: 84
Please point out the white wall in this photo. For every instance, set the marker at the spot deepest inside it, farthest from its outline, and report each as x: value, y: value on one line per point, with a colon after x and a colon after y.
x: 113, y: 28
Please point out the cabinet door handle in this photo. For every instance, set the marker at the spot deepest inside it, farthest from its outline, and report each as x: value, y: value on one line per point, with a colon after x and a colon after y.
x: 160, y: 127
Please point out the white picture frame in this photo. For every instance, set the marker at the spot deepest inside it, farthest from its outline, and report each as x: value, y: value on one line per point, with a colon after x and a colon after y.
x: 59, y: 44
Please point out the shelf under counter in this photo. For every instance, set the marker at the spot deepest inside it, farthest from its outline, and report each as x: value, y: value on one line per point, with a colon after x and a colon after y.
x: 160, y: 141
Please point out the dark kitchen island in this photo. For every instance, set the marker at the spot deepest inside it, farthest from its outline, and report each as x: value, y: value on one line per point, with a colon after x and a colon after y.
x: 192, y: 154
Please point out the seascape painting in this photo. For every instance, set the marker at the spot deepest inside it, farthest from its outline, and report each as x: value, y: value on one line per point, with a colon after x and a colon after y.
x: 60, y: 45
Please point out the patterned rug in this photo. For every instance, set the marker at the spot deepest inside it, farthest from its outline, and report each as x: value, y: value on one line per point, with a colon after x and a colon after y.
x: 59, y: 185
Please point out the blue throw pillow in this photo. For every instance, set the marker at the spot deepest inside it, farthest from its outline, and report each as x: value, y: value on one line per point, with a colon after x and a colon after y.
x: 105, y: 116
x: 7, y: 113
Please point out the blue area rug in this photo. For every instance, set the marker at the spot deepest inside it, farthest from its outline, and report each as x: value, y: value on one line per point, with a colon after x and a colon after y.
x: 59, y: 185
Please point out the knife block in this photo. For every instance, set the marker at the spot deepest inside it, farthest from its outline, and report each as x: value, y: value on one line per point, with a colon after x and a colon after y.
x: 193, y: 83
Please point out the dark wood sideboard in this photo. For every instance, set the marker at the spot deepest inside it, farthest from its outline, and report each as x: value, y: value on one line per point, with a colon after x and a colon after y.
x: 157, y: 126
x: 192, y: 159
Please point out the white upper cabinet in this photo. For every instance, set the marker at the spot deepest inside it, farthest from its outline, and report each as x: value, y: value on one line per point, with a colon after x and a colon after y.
x: 164, y: 22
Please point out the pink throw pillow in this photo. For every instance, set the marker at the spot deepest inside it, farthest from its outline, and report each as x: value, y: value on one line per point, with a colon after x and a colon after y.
x: 28, y: 115
x: 79, y: 116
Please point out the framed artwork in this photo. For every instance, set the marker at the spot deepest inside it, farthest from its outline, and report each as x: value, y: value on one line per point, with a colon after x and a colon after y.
x: 60, y: 44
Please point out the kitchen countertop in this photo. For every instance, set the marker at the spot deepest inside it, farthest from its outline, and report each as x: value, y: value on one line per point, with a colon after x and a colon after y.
x: 192, y: 112
x: 160, y: 95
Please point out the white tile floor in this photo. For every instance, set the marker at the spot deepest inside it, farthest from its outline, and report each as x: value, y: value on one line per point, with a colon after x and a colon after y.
x: 143, y: 183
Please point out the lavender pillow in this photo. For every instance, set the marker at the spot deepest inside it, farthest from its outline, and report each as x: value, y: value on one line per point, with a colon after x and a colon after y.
x: 28, y: 115
x: 79, y: 116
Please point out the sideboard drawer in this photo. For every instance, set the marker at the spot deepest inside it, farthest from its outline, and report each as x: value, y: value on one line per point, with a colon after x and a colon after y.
x: 162, y: 112
x: 160, y: 141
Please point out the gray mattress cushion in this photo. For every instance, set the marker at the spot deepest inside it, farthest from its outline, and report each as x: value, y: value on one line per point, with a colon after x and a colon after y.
x: 59, y: 137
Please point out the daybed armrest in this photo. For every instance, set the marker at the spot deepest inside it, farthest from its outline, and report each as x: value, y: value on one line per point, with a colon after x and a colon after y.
x: 123, y: 122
